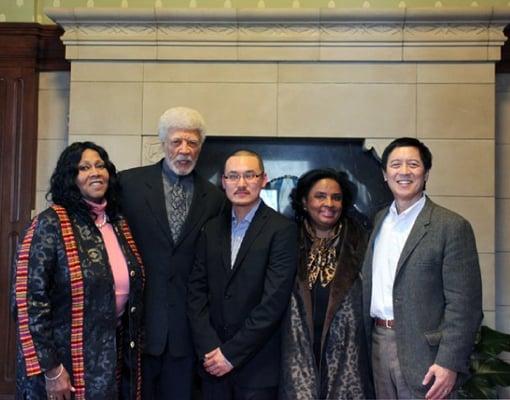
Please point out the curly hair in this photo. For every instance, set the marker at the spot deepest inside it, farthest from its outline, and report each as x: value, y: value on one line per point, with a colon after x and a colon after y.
x: 310, y: 178
x: 63, y: 189
x: 178, y: 118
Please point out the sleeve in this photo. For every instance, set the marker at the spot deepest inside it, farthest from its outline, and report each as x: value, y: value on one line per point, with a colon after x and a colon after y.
x: 265, y: 317
x: 35, y: 264
x: 463, y: 298
x: 204, y: 335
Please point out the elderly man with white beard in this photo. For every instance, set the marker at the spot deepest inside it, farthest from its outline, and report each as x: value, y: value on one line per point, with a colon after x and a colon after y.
x: 167, y: 204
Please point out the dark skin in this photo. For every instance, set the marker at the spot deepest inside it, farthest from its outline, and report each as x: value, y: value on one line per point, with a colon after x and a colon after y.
x: 60, y: 388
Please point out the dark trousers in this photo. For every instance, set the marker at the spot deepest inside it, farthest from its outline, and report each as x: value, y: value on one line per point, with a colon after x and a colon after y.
x: 226, y: 389
x: 166, y: 377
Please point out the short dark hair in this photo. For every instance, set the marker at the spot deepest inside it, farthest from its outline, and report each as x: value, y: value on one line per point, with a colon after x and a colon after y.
x: 63, y: 189
x: 244, y: 152
x: 310, y: 178
x: 425, y: 154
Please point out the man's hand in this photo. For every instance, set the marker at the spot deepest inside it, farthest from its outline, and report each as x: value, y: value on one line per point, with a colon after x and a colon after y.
x: 444, y: 380
x: 216, y: 364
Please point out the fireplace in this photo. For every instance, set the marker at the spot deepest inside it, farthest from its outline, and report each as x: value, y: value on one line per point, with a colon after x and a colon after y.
x: 361, y: 76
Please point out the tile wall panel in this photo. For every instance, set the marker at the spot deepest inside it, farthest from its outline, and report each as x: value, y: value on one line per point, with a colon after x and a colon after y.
x: 455, y: 111
x: 346, y: 110
x: 113, y: 108
x: 228, y: 109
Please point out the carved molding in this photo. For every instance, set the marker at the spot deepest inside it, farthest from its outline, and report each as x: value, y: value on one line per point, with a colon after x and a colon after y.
x: 467, y: 34
x: 151, y: 150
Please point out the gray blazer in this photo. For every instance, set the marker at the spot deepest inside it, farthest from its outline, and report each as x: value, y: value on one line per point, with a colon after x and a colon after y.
x: 437, y: 295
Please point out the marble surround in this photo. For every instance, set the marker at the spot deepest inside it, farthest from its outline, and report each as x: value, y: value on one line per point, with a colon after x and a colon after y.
x: 376, y: 74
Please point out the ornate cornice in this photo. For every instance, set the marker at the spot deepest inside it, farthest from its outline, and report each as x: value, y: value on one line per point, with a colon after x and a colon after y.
x: 405, y: 34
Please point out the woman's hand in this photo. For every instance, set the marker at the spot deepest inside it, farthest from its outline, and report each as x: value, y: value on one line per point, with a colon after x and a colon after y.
x: 58, y: 384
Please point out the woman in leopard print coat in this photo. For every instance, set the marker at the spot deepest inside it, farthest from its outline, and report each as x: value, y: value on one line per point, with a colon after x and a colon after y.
x: 324, y: 354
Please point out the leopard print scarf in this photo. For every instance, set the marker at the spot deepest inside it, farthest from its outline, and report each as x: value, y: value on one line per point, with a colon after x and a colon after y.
x: 322, y: 258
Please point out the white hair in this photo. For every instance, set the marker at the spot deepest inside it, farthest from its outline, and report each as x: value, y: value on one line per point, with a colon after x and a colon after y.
x: 181, y: 118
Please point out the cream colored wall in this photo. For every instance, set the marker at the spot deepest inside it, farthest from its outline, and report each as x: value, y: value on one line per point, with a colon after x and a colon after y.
x: 449, y: 105
x: 503, y: 202
x: 52, y: 132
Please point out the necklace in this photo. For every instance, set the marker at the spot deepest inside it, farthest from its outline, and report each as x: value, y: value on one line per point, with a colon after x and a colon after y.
x: 101, y: 224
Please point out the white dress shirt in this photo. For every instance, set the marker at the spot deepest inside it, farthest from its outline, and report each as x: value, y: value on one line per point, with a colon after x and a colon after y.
x: 388, y: 246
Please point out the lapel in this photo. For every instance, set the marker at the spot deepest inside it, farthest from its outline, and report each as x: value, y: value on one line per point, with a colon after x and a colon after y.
x: 225, y: 233
x: 197, y: 208
x: 418, y: 231
x: 155, y: 199
x: 259, y: 220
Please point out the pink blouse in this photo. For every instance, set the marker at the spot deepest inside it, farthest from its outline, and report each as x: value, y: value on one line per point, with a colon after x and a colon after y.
x: 115, y: 256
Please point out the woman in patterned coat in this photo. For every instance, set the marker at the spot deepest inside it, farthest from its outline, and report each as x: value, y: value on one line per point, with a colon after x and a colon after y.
x: 78, y: 287
x: 324, y: 354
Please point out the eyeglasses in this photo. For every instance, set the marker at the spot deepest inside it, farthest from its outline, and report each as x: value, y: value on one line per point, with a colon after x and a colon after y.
x: 248, y: 176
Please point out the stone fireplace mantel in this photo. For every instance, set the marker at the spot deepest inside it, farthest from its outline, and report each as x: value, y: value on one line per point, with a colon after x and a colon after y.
x: 374, y: 74
x: 394, y: 35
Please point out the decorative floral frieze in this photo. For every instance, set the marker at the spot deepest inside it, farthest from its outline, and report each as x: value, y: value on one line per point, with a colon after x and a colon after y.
x: 282, y: 30
x: 356, y: 29
x: 206, y: 29
x: 115, y: 29
x: 448, y: 30
x: 255, y: 34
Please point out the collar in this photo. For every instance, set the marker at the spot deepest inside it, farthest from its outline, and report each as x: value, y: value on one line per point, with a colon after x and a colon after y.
x: 415, y: 207
x: 96, y: 208
x: 248, y: 217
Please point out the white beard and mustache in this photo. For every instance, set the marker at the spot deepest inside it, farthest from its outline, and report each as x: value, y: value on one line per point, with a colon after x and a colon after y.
x: 180, y: 171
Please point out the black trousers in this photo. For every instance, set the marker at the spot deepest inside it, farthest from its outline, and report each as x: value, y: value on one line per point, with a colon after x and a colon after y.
x: 225, y: 388
x: 166, y: 377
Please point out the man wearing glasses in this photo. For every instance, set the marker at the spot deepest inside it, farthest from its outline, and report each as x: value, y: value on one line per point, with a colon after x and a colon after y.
x: 240, y: 286
x: 167, y: 204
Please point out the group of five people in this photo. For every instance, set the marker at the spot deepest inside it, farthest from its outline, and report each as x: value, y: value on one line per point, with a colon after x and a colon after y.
x: 128, y: 286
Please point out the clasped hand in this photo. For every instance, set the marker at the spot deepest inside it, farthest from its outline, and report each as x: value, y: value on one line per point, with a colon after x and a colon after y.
x: 216, y: 364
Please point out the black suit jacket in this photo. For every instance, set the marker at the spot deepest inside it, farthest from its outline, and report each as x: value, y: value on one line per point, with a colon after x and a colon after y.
x: 167, y: 264
x: 239, y: 309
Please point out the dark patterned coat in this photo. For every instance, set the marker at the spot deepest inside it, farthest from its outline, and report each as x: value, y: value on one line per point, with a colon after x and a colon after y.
x: 64, y: 306
x: 344, y: 371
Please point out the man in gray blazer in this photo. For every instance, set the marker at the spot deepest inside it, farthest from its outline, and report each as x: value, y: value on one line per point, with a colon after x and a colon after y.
x: 421, y: 285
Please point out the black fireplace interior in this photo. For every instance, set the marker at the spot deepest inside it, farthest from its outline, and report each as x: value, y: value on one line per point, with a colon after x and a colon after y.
x: 285, y: 159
